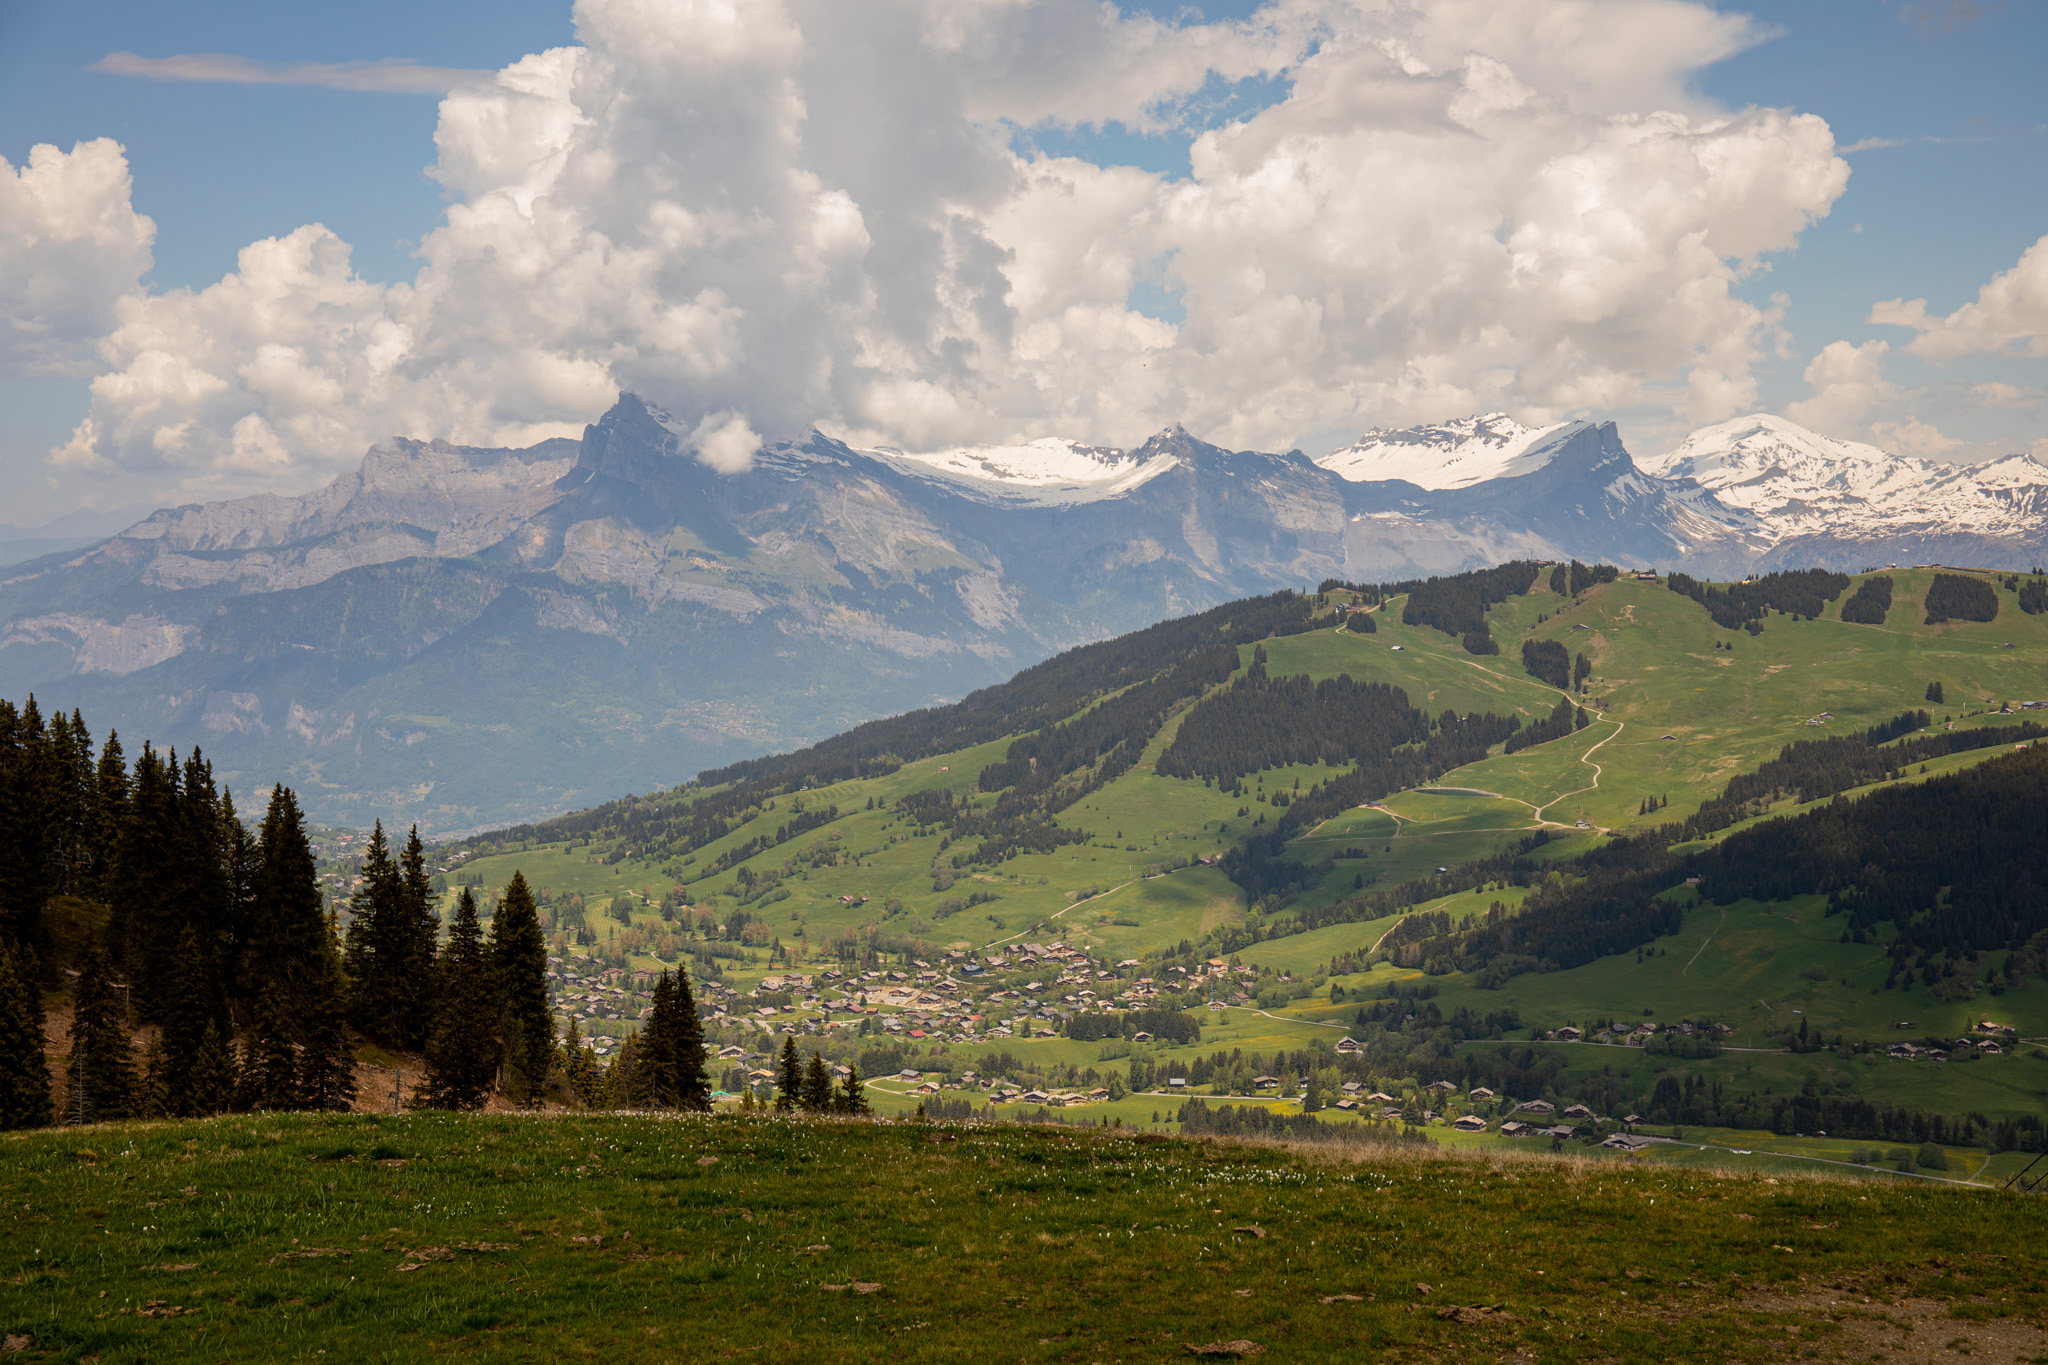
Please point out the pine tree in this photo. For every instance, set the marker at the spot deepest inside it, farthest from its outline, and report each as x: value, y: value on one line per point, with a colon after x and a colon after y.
x: 462, y: 1054
x: 270, y: 1072
x: 789, y: 1076
x: 853, y: 1094
x: 110, y: 813
x: 153, y: 1094
x: 293, y: 956
x: 817, y: 1086
x: 211, y: 1083
x: 189, y: 1012
x: 101, y: 1079
x: 654, y: 1075
x: 415, y: 936
x: 519, y: 953
x: 24, y: 1071
x: 373, y: 993
x: 689, y: 1067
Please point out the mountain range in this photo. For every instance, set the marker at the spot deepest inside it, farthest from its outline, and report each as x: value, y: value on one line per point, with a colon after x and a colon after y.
x: 470, y: 636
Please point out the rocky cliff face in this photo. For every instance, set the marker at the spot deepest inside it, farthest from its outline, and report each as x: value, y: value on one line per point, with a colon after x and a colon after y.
x: 470, y: 637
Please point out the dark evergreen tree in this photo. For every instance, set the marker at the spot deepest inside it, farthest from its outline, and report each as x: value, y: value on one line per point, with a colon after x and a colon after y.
x: 415, y: 938
x: 100, y: 1081
x: 153, y: 1092
x: 110, y: 814
x: 139, y: 891
x: 270, y: 1070
x: 853, y: 1093
x: 462, y: 1055
x: 211, y: 1083
x: 690, y: 1071
x: 193, y: 1009
x: 654, y: 1069
x: 294, y: 956
x: 519, y: 954
x: 24, y: 1071
x: 376, y: 993
x: 817, y: 1086
x: 789, y: 1076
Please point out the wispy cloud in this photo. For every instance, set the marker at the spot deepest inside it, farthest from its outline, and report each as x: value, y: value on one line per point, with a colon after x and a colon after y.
x: 1869, y: 144
x: 391, y: 76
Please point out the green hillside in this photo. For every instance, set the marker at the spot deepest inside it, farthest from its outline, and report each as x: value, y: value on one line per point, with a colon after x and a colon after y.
x: 641, y: 1238
x: 1155, y: 876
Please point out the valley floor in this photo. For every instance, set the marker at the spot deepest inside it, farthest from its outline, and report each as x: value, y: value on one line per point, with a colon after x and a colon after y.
x: 632, y: 1237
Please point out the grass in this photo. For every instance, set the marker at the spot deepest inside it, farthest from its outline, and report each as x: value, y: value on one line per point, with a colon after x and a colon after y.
x: 631, y: 1238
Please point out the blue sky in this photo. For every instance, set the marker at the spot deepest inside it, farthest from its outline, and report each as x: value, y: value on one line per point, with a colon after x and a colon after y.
x: 1951, y: 189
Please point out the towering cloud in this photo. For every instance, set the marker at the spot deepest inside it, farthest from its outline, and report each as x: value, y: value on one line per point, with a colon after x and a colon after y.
x: 768, y: 214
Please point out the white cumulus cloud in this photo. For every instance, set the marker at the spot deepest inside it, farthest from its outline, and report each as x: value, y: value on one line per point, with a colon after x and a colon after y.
x: 2010, y: 313
x: 71, y: 247
x: 768, y: 214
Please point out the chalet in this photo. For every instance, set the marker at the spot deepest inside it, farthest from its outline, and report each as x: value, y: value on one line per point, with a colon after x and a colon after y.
x: 1578, y: 1111
x: 1514, y: 1129
x: 1482, y: 1093
x: 730, y: 1054
x: 1562, y: 1130
x: 1631, y: 1119
x: 1469, y: 1123
x: 906, y: 1074
x: 1265, y: 1082
x: 926, y: 1089
x: 1570, y: 1033
x: 1627, y: 1142
x: 1141, y: 1037
x: 1539, y: 1107
x: 1382, y: 1097
x: 1444, y: 1087
x: 1352, y: 1087
x: 1347, y: 1104
x: 1034, y: 1097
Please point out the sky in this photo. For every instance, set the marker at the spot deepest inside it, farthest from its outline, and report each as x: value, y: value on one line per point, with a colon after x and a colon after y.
x: 240, y: 243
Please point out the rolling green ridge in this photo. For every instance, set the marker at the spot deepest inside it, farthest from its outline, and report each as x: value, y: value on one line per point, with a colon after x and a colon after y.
x: 1676, y: 707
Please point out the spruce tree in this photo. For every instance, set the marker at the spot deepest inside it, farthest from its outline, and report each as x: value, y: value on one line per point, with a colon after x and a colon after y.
x: 462, y: 1054
x: 270, y: 1072
x: 24, y: 1071
x: 415, y: 936
x: 654, y: 1073
x: 519, y: 954
x: 373, y: 994
x: 110, y: 814
x: 211, y: 1083
x: 789, y: 1076
x: 190, y: 1010
x: 853, y: 1094
x: 101, y: 1076
x: 293, y: 956
x: 153, y: 1093
x: 817, y: 1086
x: 690, y: 1068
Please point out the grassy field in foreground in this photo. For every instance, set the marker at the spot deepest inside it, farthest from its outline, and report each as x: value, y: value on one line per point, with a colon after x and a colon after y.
x: 627, y: 1238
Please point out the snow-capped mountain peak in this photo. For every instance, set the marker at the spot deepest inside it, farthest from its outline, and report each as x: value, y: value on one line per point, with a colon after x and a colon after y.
x: 1453, y: 454
x: 1049, y: 469
x: 1800, y: 483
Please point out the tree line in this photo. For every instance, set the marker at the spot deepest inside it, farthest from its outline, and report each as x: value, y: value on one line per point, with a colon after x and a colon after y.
x: 1742, y: 606
x: 1870, y: 603
x: 1260, y: 722
x: 1958, y: 597
x: 145, y: 893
